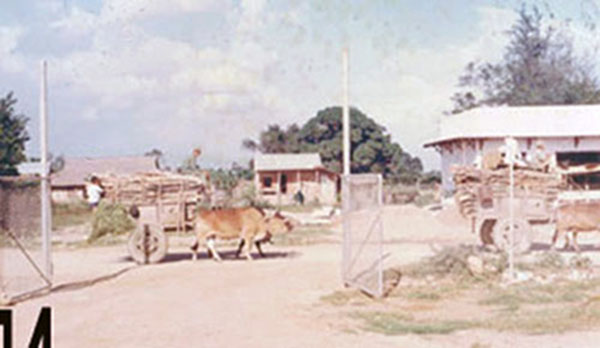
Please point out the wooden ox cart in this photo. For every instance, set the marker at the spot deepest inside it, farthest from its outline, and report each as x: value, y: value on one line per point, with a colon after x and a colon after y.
x: 482, y: 197
x: 160, y: 201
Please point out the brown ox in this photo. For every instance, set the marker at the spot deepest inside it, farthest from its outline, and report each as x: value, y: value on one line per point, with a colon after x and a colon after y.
x: 574, y: 218
x: 249, y: 224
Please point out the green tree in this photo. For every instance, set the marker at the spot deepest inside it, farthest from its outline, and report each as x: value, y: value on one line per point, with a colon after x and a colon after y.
x: 539, y: 67
x: 13, y: 136
x: 372, y: 150
x: 276, y: 140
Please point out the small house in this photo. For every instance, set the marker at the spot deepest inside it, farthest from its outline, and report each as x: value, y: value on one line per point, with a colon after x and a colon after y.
x: 279, y: 177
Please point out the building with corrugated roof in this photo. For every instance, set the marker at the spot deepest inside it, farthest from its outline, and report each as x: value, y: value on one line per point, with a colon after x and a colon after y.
x: 571, y: 133
x: 69, y: 183
x: 279, y: 177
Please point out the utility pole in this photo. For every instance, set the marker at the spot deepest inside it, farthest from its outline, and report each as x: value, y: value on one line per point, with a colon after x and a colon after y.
x: 346, y: 248
x: 346, y: 112
x: 46, y: 216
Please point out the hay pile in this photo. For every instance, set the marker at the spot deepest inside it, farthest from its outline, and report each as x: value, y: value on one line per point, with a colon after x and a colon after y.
x: 152, y: 188
x: 476, y: 185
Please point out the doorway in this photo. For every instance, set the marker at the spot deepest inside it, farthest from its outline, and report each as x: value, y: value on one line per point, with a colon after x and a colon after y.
x: 283, y: 183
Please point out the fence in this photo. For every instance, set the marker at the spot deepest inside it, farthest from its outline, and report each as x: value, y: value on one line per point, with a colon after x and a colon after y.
x: 363, y: 254
x: 21, y: 255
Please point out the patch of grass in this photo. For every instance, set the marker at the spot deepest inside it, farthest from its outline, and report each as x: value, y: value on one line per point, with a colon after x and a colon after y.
x: 546, y: 320
x: 340, y: 298
x: 440, y: 291
x: 73, y: 214
x: 548, y: 303
x: 303, y: 235
x: 304, y: 208
x: 580, y: 262
x: 550, y: 260
x: 532, y: 321
x: 550, y: 308
x: 430, y: 295
x: 529, y: 293
x: 400, y: 324
x: 28, y: 239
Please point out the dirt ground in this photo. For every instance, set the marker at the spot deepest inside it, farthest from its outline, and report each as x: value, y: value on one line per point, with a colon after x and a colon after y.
x: 270, y: 302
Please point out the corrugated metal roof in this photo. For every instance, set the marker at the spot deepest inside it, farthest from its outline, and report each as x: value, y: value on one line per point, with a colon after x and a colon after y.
x: 283, y: 161
x: 77, y: 169
x: 528, y: 121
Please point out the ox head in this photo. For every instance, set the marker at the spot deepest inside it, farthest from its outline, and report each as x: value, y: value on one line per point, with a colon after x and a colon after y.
x: 278, y: 224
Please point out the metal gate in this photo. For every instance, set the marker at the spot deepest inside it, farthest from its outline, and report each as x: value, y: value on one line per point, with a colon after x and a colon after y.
x: 363, y: 254
x: 22, y: 252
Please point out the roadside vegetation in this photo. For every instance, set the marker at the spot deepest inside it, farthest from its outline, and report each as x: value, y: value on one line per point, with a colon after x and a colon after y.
x: 70, y: 214
x: 305, y: 235
x: 463, y: 288
x: 110, y: 220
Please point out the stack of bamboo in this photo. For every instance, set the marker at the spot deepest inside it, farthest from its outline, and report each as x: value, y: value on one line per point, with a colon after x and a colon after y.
x: 473, y: 184
x: 154, y: 188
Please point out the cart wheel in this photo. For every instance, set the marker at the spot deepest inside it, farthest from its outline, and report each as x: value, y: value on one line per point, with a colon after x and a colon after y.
x: 486, y: 231
x: 522, y: 235
x: 147, y: 244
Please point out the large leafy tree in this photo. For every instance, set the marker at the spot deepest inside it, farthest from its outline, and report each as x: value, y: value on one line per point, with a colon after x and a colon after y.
x: 13, y: 136
x: 539, y: 67
x: 372, y: 150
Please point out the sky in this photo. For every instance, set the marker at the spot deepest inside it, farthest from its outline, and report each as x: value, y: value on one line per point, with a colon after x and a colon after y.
x: 127, y: 76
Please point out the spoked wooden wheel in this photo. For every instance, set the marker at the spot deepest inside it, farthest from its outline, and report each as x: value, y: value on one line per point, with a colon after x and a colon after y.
x: 522, y: 235
x: 147, y: 244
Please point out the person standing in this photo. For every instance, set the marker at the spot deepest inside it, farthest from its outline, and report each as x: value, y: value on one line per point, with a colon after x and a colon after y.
x: 94, y: 192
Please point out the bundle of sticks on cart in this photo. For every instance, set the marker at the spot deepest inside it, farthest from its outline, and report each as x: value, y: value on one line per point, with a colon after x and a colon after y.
x: 473, y: 185
x: 154, y: 188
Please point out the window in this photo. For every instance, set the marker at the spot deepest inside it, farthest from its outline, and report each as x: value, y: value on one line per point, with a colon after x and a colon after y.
x: 267, y: 182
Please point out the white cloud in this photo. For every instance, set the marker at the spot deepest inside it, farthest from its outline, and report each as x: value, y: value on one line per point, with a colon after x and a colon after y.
x: 251, y: 18
x: 414, y: 86
x: 131, y: 10
x: 10, y: 61
x: 263, y: 63
x: 178, y: 94
x: 77, y: 23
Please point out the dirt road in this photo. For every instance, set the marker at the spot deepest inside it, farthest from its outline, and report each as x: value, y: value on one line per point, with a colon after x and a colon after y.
x: 273, y: 302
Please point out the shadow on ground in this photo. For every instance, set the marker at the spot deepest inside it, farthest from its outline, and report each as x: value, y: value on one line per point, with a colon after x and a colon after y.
x: 225, y: 255
x: 546, y: 246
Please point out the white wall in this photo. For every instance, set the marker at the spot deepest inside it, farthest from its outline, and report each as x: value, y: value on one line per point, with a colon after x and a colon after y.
x: 553, y: 145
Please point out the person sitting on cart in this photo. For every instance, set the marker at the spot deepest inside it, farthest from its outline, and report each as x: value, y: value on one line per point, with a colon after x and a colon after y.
x: 540, y: 159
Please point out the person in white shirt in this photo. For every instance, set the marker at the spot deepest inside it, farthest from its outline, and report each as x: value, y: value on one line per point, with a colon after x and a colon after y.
x: 94, y: 192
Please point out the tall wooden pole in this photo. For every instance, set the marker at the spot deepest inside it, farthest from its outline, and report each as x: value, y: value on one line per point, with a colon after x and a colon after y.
x: 346, y: 112
x: 346, y: 168
x: 46, y: 216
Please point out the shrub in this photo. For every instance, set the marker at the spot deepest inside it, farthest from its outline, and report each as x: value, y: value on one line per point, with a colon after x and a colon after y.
x: 110, y: 219
x: 454, y: 262
x: 551, y: 261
